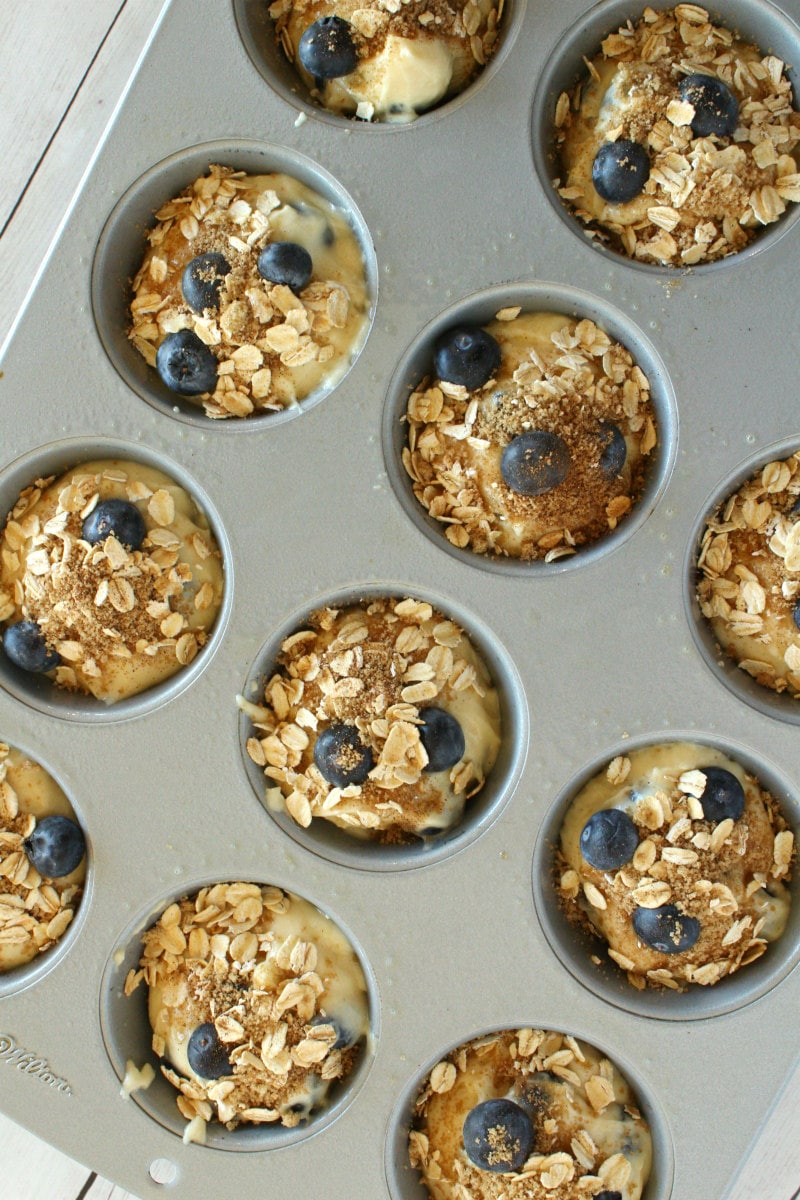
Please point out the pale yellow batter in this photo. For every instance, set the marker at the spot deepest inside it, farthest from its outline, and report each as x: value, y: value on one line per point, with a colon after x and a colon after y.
x: 273, y: 348
x: 730, y: 875
x: 34, y: 911
x: 410, y: 57
x: 120, y: 620
x: 376, y: 666
x: 556, y: 374
x: 282, y: 987
x: 588, y: 1134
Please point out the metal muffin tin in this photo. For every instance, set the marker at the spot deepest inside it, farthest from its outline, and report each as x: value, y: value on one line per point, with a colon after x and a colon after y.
x: 591, y: 653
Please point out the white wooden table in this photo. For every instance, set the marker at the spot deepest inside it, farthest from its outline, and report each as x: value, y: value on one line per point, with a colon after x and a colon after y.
x: 64, y: 70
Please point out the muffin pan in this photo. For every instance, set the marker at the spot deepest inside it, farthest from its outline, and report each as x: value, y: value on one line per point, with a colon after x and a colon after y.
x: 590, y: 654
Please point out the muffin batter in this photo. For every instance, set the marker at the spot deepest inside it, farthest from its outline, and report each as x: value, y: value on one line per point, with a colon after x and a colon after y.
x: 257, y: 1002
x: 714, y: 162
x: 386, y: 62
x: 572, y: 1129
x: 380, y: 718
x: 35, y: 908
x: 749, y: 576
x: 247, y: 338
x: 690, y: 859
x: 114, y: 620
x: 546, y: 377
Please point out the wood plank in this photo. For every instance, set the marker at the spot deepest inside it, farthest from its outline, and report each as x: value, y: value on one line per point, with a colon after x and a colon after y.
x: 48, y: 200
x: 33, y: 1170
x: 45, y: 53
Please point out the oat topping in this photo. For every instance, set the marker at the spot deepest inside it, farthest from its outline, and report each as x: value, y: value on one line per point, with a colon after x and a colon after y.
x: 375, y: 667
x: 272, y: 347
x: 446, y: 43
x: 749, y: 576
x: 557, y: 375
x: 282, y: 988
x: 706, y: 197
x: 730, y: 875
x: 589, y: 1136
x: 34, y: 910
x: 118, y: 619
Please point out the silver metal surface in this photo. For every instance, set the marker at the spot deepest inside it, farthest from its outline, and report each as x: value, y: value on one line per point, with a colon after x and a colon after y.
x: 311, y: 507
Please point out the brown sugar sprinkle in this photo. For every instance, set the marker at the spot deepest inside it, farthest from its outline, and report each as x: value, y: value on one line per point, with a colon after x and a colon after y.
x: 683, y: 859
x: 372, y: 666
x: 218, y: 953
x: 262, y: 331
x: 103, y: 602
x: 749, y: 575
x: 709, y: 196
x: 35, y: 911
x: 456, y: 437
x: 567, y: 1162
x: 462, y: 22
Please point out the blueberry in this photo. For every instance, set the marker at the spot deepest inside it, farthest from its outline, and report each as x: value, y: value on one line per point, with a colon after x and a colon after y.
x: 56, y: 846
x: 609, y: 839
x: 665, y: 929
x: 24, y: 644
x: 615, y: 450
x: 620, y: 170
x: 443, y: 739
x: 202, y: 279
x: 796, y: 614
x: 206, y: 1054
x: 327, y: 50
x: 716, y: 109
x: 607, y: 1195
x: 119, y: 517
x: 723, y: 795
x: 341, y: 756
x: 285, y: 262
x: 467, y: 355
x: 535, y: 462
x: 186, y: 364
x: 498, y: 1135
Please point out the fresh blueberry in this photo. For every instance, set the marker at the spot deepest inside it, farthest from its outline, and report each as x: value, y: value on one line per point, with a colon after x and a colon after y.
x: 498, y: 1135
x: 56, y: 846
x: 535, y: 462
x: 607, y: 1195
x: 609, y: 839
x: 615, y: 450
x: 620, y: 170
x: 327, y: 50
x: 119, y: 517
x: 206, y: 1054
x: 443, y: 739
x: 202, y: 279
x: 341, y: 756
x: 665, y: 929
x: 186, y: 364
x: 716, y: 109
x: 24, y: 644
x: 466, y: 355
x: 796, y: 614
x: 287, y: 263
x: 723, y: 795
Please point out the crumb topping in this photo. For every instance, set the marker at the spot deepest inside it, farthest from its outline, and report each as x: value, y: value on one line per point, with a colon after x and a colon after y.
x: 225, y: 957
x: 707, y: 197
x: 102, y: 604
x: 730, y: 875
x: 570, y: 385
x: 374, y: 666
x: 589, y: 1136
x: 273, y: 347
x: 34, y: 910
x: 749, y: 575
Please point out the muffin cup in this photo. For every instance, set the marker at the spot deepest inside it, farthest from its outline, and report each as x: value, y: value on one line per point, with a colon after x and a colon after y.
x: 584, y: 955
